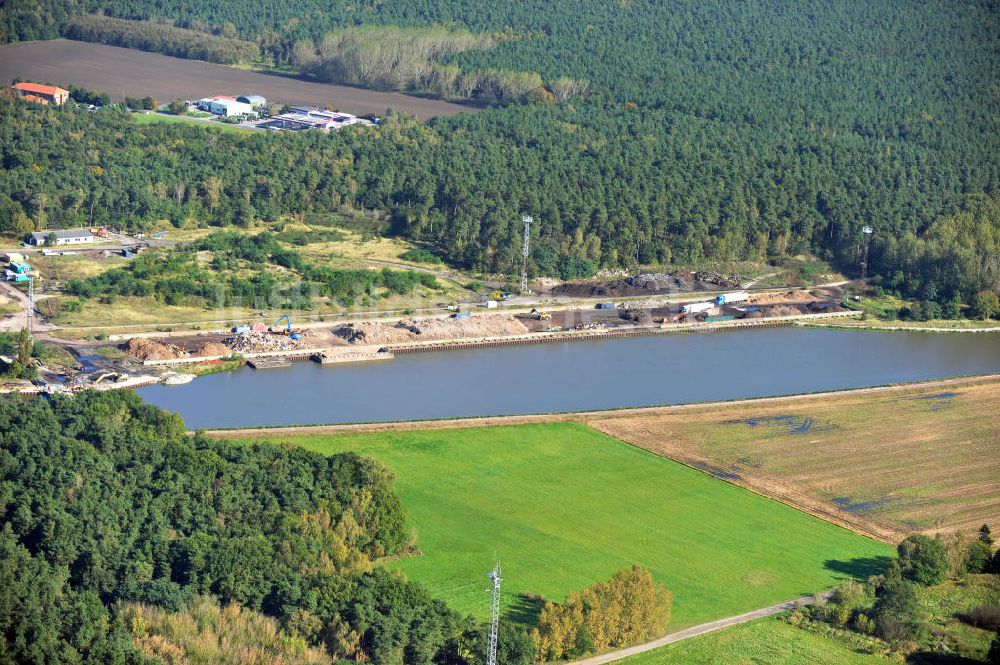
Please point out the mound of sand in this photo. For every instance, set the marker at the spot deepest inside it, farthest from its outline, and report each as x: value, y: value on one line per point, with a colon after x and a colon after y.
x: 372, y: 332
x: 213, y: 349
x: 149, y: 349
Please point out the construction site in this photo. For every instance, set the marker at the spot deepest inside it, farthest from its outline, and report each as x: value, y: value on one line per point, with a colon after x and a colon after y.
x: 264, y: 346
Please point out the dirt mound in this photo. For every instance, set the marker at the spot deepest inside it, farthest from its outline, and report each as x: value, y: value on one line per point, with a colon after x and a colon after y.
x: 213, y: 349
x: 150, y: 349
x: 655, y: 283
x: 787, y: 297
x: 451, y: 328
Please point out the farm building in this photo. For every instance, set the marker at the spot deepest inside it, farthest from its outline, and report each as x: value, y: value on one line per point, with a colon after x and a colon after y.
x: 62, y: 237
x: 255, y: 101
x: 43, y: 94
x: 225, y: 105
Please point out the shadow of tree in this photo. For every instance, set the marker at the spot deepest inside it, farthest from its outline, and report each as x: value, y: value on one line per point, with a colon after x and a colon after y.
x: 525, y: 610
x: 859, y: 568
x: 930, y: 658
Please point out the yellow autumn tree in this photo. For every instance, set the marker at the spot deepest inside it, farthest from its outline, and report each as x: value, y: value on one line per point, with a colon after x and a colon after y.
x: 628, y: 608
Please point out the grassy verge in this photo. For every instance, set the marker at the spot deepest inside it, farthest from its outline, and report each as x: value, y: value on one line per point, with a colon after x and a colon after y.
x: 563, y: 506
x: 157, y: 118
x: 765, y: 642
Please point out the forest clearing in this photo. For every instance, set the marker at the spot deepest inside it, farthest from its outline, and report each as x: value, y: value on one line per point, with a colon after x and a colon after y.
x: 137, y: 73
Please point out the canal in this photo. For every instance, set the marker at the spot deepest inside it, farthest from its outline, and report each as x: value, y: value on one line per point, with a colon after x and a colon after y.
x: 577, y: 376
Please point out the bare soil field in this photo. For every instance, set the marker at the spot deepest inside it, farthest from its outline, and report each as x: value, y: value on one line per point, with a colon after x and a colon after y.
x: 884, y: 463
x: 139, y: 74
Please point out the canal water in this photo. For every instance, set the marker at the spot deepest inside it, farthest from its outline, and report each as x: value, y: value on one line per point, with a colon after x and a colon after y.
x: 576, y: 376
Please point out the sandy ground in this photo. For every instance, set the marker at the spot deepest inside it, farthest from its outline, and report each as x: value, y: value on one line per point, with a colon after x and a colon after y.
x: 139, y: 74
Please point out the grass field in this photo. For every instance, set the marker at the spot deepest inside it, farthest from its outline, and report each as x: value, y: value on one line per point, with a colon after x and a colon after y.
x: 765, y: 642
x: 564, y: 506
x: 889, y: 463
x: 156, y: 118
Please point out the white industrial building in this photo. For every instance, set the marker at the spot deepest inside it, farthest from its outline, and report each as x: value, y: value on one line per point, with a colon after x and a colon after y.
x: 225, y: 105
x: 62, y: 237
x: 309, y: 117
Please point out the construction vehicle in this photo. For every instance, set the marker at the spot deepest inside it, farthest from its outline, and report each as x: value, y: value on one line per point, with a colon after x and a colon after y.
x: 292, y: 333
x: 540, y: 315
x: 241, y: 329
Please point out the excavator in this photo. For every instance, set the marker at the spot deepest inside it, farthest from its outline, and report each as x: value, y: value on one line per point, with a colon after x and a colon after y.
x: 293, y: 334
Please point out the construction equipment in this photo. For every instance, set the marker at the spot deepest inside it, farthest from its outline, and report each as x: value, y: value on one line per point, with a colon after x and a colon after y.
x: 288, y: 330
x: 540, y: 315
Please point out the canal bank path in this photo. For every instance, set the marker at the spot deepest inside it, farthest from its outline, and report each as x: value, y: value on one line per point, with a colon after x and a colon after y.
x: 700, y: 629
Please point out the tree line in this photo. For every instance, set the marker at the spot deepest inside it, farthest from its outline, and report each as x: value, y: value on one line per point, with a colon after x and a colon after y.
x: 107, y: 503
x: 161, y: 37
x: 890, y: 605
x: 628, y: 608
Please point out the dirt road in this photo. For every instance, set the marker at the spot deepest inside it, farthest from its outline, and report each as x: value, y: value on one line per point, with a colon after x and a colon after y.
x: 134, y: 73
x: 695, y: 631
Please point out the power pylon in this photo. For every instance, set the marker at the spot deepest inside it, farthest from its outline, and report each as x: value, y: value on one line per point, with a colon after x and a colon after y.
x: 491, y: 656
x: 527, y: 219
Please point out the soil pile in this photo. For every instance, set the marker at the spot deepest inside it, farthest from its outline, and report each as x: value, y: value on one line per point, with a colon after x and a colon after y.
x: 787, y: 297
x: 149, y: 349
x: 656, y: 283
x: 213, y: 349
x: 410, y: 331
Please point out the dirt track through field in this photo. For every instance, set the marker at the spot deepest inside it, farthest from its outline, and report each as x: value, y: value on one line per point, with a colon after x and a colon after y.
x: 695, y: 631
x: 137, y: 73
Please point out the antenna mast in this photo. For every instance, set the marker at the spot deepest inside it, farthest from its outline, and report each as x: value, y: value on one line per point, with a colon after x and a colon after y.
x: 527, y: 219
x: 867, y: 231
x: 491, y: 657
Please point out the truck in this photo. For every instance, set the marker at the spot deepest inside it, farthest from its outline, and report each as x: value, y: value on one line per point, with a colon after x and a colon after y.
x: 605, y: 305
x: 730, y: 298
x: 461, y: 315
x: 695, y: 307
x: 241, y: 329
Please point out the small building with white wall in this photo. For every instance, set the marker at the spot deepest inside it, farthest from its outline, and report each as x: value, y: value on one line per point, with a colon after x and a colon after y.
x: 62, y: 237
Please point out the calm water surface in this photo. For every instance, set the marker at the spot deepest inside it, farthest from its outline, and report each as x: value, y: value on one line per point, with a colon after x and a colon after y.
x: 576, y: 376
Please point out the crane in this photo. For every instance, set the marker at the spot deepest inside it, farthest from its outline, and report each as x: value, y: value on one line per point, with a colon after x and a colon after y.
x: 288, y: 330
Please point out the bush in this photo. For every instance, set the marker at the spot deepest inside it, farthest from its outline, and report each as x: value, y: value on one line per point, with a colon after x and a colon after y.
x: 864, y: 624
x: 895, y: 611
x: 923, y: 560
x: 985, y: 616
x: 419, y: 256
x: 978, y: 557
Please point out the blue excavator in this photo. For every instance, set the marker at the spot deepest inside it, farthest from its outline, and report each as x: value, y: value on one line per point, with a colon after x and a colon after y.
x: 293, y: 334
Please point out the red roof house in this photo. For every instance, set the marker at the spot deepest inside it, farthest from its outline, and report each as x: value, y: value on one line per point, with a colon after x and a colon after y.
x: 45, y: 94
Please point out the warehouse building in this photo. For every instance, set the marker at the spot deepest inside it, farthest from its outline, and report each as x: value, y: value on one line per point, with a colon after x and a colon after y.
x: 256, y: 101
x: 225, y: 105
x: 62, y: 237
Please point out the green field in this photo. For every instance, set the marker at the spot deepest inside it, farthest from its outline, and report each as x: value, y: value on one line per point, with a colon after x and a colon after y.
x: 563, y: 506
x: 151, y: 118
x: 766, y: 642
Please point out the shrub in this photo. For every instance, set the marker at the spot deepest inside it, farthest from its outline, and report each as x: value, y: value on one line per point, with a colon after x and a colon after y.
x: 985, y: 616
x: 864, y: 624
x: 923, y: 560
